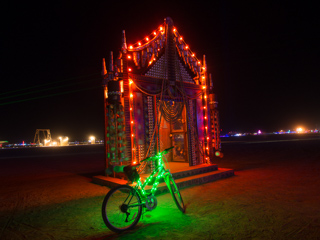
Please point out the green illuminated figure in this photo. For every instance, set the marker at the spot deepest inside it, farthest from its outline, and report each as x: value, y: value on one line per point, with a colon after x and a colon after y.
x: 123, y: 205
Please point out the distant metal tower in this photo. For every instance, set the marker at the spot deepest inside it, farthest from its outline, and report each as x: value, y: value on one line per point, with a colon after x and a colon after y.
x: 45, y: 133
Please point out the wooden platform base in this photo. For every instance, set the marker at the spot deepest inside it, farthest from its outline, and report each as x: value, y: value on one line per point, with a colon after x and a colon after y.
x: 184, y: 175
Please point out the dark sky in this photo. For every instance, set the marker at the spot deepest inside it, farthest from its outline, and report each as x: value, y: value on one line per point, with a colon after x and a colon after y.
x: 263, y: 56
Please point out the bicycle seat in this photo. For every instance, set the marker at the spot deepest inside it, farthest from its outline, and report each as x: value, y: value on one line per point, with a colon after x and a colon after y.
x: 131, y: 172
x: 131, y: 167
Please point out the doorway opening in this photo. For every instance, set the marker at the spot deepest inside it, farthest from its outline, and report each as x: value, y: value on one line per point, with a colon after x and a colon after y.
x: 173, y: 132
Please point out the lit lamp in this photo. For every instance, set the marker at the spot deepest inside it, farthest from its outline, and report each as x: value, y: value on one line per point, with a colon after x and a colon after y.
x: 64, y: 141
x: 92, y: 140
x: 47, y: 142
x: 299, y: 130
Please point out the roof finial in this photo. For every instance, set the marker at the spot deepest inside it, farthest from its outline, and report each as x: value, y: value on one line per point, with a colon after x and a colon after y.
x: 124, y: 43
x: 204, y: 63
x: 104, y: 70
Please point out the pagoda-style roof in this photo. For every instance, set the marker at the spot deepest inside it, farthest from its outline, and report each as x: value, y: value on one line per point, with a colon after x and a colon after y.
x: 161, y: 62
x: 165, y: 54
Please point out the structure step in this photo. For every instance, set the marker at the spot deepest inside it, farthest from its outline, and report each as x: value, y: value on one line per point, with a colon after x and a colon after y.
x: 195, y: 180
x: 184, y: 170
x: 194, y: 170
x: 181, y: 183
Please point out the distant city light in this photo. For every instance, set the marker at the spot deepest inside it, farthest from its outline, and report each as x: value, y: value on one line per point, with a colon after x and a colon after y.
x: 299, y: 130
x: 92, y: 139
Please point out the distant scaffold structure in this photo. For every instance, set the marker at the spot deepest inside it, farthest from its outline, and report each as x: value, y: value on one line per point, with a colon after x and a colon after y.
x: 42, y: 136
x: 159, y: 94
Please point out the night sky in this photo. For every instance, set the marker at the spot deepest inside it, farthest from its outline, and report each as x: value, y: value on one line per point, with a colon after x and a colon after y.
x: 263, y: 57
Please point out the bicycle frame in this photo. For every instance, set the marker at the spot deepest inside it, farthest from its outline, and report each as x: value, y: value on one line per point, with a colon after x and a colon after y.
x: 158, y: 173
x: 138, y: 199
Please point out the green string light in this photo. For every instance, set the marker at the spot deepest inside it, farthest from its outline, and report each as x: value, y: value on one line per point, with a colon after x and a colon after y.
x: 161, y: 172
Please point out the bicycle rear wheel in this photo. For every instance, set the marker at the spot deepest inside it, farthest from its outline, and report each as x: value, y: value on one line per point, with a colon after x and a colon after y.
x: 174, y: 190
x: 121, y: 208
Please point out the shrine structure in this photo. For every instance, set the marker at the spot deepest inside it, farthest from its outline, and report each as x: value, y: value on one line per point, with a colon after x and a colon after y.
x: 158, y: 94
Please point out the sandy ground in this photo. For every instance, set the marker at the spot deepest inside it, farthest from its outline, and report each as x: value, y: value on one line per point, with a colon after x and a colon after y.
x: 274, y: 195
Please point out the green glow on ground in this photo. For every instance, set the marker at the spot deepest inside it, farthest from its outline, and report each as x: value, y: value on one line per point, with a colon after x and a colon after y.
x: 274, y: 195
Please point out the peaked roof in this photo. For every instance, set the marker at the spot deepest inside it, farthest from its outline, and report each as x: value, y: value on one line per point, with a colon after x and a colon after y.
x: 164, y: 54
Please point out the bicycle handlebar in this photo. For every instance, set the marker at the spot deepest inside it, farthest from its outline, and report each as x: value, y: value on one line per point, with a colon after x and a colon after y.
x: 162, y: 153
x: 146, y: 159
x: 167, y: 150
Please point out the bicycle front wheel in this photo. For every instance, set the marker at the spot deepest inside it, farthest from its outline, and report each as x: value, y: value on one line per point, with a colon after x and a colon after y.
x: 175, y: 193
x: 121, y: 208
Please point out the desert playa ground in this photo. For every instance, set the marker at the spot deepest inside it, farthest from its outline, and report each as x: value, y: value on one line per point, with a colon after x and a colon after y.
x: 47, y: 194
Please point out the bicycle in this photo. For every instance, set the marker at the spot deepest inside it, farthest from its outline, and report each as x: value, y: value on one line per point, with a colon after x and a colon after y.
x: 123, y: 205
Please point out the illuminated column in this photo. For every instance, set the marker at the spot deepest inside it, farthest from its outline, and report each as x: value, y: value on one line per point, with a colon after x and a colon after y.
x: 127, y: 103
x: 132, y: 132
x: 205, y: 111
